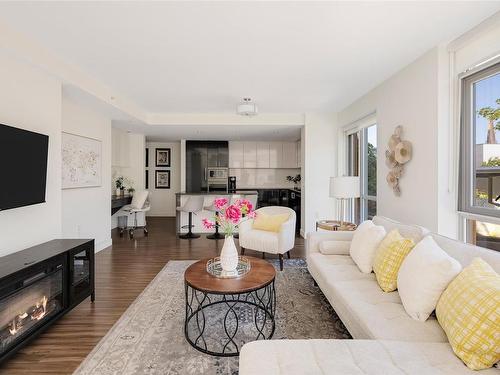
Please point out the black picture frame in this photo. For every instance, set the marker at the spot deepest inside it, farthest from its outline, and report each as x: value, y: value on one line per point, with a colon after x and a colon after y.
x: 162, y: 157
x: 146, y: 179
x: 147, y: 157
x: 160, y: 184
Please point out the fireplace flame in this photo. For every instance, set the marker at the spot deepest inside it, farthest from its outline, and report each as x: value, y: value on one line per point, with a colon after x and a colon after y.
x: 36, y: 312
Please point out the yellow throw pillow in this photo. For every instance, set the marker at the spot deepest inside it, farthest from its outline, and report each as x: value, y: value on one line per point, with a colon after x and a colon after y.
x: 388, y: 258
x: 270, y: 223
x: 469, y: 312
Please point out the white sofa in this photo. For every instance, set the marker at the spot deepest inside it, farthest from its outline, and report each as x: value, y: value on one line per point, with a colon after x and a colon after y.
x: 386, y: 339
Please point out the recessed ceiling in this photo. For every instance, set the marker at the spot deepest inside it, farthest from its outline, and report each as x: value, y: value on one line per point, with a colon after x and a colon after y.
x: 166, y: 133
x: 200, y: 57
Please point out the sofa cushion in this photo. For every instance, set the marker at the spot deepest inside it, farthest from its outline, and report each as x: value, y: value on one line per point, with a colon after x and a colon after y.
x: 334, y: 247
x: 336, y: 268
x: 353, y: 357
x: 388, y: 258
x: 423, y: 277
x: 364, y: 244
x: 414, y: 232
x: 269, y: 223
x: 382, y: 315
x: 465, y: 253
x: 469, y: 312
x: 260, y: 240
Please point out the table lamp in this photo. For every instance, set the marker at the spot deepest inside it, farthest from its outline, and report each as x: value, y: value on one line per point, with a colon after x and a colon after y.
x: 344, y: 188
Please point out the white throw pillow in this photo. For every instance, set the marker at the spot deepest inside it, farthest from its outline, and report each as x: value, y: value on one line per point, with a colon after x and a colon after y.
x: 423, y: 277
x: 334, y: 247
x: 364, y: 244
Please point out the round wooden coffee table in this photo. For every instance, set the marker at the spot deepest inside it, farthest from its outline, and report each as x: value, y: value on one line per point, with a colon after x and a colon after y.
x: 222, y: 306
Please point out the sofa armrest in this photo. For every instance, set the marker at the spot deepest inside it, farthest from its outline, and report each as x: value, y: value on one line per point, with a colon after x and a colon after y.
x: 287, y: 236
x: 245, y: 225
x: 313, y: 239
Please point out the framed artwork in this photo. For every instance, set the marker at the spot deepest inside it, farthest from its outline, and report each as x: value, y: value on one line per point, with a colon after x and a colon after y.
x: 81, y: 161
x: 146, y: 179
x: 162, y: 179
x: 147, y: 157
x: 163, y: 157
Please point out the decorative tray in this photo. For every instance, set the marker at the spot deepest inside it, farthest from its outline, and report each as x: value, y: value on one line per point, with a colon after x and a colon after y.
x: 214, y: 268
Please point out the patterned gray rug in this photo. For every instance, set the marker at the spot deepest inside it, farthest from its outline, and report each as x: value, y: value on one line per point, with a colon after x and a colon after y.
x: 149, y: 337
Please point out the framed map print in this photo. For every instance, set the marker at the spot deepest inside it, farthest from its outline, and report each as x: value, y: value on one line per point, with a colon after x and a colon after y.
x: 81, y: 161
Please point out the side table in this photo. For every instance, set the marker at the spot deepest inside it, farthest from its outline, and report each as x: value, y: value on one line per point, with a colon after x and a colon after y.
x: 334, y: 225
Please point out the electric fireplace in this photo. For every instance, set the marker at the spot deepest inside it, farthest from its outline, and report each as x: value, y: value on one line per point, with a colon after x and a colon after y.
x: 39, y: 285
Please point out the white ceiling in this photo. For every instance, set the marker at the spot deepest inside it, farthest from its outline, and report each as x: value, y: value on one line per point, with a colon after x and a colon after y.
x: 201, y: 57
x: 165, y: 133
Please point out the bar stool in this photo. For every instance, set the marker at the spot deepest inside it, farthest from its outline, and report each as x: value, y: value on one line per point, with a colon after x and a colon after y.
x: 217, y: 235
x: 194, y: 203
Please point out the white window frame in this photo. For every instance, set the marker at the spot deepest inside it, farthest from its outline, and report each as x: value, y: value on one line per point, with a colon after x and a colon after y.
x: 360, y: 127
x: 467, y: 136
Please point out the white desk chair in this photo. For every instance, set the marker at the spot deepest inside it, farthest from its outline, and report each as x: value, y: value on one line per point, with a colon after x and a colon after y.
x: 269, y: 242
x: 139, y: 205
x: 193, y: 204
x: 211, y: 207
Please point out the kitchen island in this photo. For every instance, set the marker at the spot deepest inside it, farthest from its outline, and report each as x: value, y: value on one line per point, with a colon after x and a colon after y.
x: 182, y: 217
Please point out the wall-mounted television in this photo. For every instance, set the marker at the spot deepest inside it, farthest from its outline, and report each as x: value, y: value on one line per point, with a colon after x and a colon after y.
x: 23, y: 167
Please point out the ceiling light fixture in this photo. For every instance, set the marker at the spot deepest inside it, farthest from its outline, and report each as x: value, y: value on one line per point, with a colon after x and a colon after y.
x: 247, y: 108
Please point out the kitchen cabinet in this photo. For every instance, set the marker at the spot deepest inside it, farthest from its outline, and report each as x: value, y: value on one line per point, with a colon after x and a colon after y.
x: 275, y: 154
x: 249, y: 154
x: 235, y: 154
x: 289, y: 155
x: 262, y: 154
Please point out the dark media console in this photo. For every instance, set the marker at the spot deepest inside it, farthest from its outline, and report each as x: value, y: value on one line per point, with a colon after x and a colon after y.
x: 39, y: 285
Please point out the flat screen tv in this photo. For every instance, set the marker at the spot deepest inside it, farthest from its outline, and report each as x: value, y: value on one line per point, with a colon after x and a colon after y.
x: 23, y: 167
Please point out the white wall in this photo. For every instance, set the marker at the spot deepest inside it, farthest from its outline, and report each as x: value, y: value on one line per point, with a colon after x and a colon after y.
x: 31, y: 100
x: 409, y: 98
x: 86, y: 212
x: 319, y: 141
x: 163, y: 200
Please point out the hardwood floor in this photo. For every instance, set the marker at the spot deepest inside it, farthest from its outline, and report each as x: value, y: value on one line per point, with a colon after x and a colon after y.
x: 122, y: 273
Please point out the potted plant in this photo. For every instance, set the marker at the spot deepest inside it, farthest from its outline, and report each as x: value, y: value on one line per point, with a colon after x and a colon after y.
x: 131, y: 190
x: 228, y: 217
x: 295, y: 180
x: 119, y: 185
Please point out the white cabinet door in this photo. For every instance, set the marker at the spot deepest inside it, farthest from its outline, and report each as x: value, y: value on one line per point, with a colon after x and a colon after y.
x: 275, y: 154
x: 235, y: 154
x: 250, y: 154
x: 262, y: 154
x: 289, y: 155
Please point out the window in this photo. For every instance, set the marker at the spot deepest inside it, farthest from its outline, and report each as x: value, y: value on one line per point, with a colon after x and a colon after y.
x: 483, y: 234
x: 480, y: 156
x: 479, y: 188
x: 362, y: 162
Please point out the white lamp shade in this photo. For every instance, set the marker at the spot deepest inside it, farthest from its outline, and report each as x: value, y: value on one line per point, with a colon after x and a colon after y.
x: 344, y: 187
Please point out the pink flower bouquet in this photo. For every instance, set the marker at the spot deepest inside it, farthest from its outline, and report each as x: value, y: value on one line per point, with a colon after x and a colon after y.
x: 229, y: 215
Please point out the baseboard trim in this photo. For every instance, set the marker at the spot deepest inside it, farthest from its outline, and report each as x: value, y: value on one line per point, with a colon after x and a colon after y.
x: 103, y: 245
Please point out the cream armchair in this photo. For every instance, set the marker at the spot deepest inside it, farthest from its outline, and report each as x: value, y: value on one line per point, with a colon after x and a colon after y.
x: 269, y: 242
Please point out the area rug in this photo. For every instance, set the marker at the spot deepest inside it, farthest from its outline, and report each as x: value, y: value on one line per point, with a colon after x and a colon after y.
x: 149, y: 337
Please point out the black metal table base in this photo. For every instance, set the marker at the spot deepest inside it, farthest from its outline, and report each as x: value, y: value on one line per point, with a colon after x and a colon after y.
x: 261, y: 302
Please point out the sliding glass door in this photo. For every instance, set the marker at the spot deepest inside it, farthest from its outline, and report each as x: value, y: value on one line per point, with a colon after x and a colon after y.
x: 362, y: 162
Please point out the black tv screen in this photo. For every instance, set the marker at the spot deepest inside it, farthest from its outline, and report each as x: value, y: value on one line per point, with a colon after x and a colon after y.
x: 23, y: 166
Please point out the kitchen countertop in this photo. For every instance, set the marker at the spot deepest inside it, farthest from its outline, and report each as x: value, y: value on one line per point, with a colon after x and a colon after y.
x: 242, y: 192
